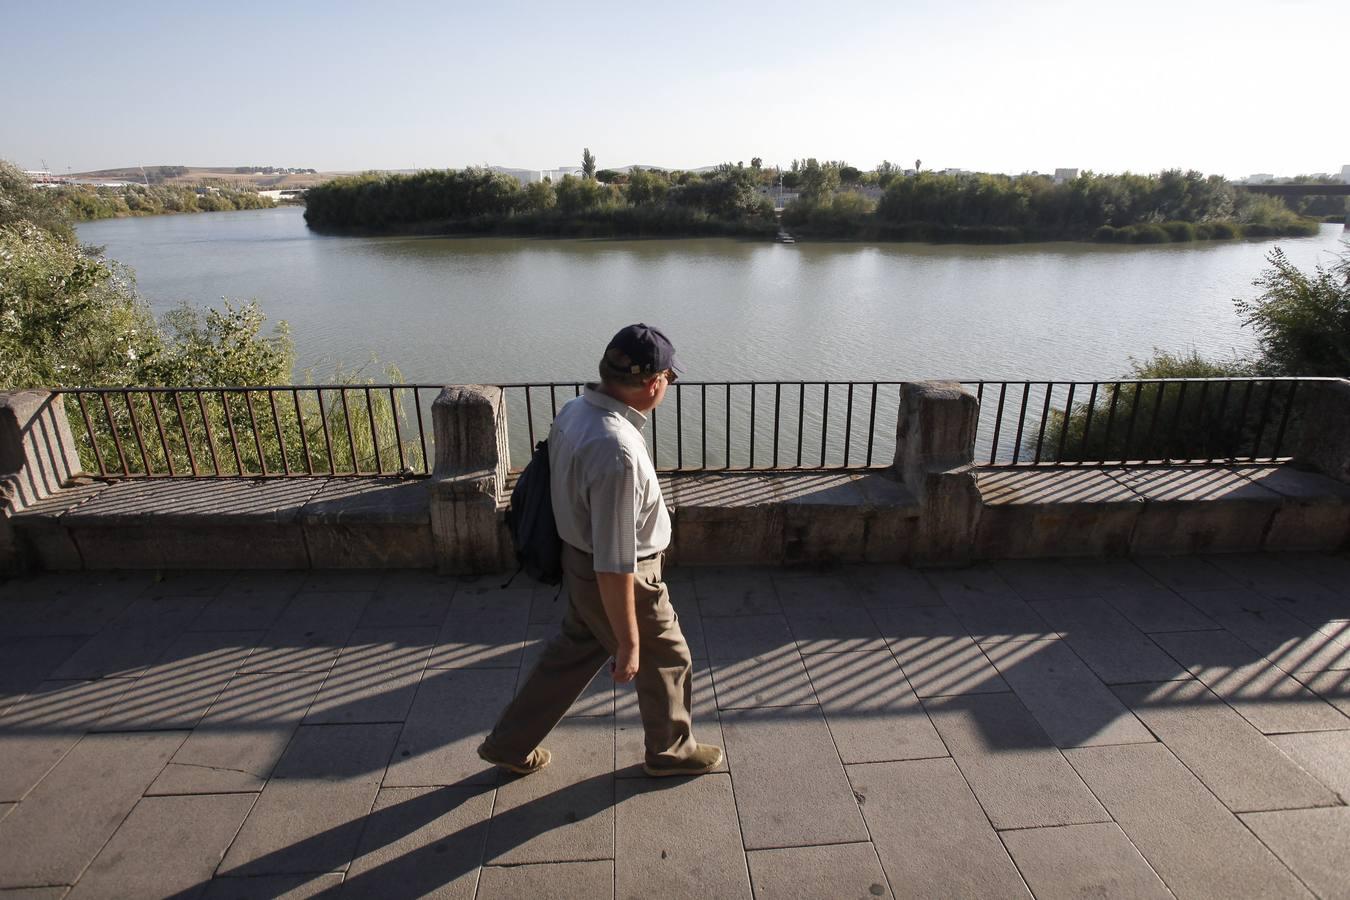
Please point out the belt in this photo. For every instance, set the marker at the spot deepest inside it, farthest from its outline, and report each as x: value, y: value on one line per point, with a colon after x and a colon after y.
x: 648, y: 558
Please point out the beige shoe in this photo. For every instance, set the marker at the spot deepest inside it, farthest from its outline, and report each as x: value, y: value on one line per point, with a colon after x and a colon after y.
x: 538, y: 758
x: 703, y: 760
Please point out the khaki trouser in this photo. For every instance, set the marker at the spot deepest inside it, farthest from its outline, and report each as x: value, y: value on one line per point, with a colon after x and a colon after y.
x: 580, y: 651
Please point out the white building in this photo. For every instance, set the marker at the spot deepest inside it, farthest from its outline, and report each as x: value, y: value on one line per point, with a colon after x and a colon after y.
x: 1345, y: 174
x: 1260, y: 178
x: 1063, y: 175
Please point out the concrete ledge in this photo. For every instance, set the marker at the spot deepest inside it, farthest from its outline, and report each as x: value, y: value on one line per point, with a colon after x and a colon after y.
x: 1053, y: 512
x: 370, y: 523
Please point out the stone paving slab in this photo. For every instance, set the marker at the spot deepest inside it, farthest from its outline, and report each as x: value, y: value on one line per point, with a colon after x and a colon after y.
x: 310, y: 633
x: 167, y: 846
x: 937, y: 655
x: 273, y: 887
x: 485, y: 629
x: 1288, y: 642
x: 1111, y: 646
x: 410, y: 599
x: 564, y: 812
x: 592, y: 880
x: 1333, y: 687
x: 679, y: 838
x: 789, y: 805
x: 806, y: 873
x: 452, y: 713
x: 1072, y: 861
x: 1153, y: 608
x: 1042, y: 579
x: 745, y: 637
x: 890, y: 586
x: 375, y: 677
x: 774, y: 679
x: 1067, y: 699
x: 421, y: 842
x: 826, y: 630
x: 933, y: 838
x: 870, y: 708
x: 253, y: 608
x: 1017, y: 774
x: 1311, y: 842
x: 26, y: 662
x: 238, y: 742
x: 1234, y: 760
x: 1323, y: 754
x: 816, y: 593
x: 734, y: 592
x: 41, y: 728
x: 61, y: 826
x: 311, y: 813
x: 1192, y: 841
x: 180, y: 687
x: 1265, y: 696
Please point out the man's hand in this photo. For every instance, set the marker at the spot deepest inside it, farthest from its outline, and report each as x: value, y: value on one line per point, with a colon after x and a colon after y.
x: 625, y: 667
x: 616, y: 593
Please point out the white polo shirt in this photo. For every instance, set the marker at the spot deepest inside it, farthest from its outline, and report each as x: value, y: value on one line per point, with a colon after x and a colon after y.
x: 606, y: 498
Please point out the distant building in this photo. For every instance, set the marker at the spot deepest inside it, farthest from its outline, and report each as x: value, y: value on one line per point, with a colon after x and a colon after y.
x: 1345, y: 174
x: 956, y: 172
x: 1260, y: 178
x: 1063, y: 175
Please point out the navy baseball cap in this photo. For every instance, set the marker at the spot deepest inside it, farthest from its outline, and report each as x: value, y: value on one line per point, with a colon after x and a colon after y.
x: 648, y: 349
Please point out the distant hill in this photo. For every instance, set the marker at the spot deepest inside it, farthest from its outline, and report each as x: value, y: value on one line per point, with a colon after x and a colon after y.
x: 196, y: 174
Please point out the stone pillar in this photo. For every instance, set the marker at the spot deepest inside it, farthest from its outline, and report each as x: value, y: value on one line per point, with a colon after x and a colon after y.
x: 469, y: 480
x: 934, y: 447
x: 1323, y: 439
x: 37, y: 456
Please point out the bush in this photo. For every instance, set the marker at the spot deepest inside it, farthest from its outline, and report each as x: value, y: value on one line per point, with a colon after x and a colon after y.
x: 1302, y: 321
x: 1106, y: 234
x: 1179, y: 232
x: 1147, y: 234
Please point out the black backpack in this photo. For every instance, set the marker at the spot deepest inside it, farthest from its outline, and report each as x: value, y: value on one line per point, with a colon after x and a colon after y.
x: 534, y: 531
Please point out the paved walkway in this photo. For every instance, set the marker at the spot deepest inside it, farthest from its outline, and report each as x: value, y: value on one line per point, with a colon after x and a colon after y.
x: 1058, y: 729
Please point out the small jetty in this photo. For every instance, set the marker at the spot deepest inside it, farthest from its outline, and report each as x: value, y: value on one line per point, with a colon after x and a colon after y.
x: 784, y: 238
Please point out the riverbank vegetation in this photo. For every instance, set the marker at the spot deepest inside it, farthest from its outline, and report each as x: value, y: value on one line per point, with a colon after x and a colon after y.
x: 84, y: 203
x: 1302, y: 323
x: 829, y: 200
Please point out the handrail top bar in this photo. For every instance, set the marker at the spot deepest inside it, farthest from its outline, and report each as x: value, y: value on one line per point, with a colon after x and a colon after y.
x: 798, y: 381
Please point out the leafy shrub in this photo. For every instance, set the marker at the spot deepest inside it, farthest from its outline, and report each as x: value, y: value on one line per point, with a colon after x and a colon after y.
x: 1147, y: 234
x: 1179, y: 232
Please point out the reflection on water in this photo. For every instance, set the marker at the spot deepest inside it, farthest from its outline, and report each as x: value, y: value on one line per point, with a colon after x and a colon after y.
x: 501, y: 309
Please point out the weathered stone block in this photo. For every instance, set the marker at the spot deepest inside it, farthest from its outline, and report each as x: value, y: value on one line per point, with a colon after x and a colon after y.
x: 1198, y: 510
x: 470, y: 479
x: 935, y: 429
x: 1031, y: 513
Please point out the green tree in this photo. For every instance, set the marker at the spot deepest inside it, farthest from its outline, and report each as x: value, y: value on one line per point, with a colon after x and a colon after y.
x: 819, y: 181
x: 1302, y: 320
x: 587, y: 163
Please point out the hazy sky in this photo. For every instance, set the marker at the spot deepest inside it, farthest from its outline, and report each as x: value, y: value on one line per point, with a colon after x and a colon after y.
x: 1233, y: 87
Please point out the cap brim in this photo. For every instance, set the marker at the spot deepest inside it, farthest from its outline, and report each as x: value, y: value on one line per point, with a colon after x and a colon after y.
x: 675, y: 364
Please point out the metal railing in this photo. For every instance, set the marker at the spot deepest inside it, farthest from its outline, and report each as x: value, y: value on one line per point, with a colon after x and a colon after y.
x: 707, y: 426
x: 1153, y: 421
x: 272, y: 431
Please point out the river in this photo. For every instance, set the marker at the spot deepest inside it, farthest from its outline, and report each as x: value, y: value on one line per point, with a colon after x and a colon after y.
x: 505, y: 309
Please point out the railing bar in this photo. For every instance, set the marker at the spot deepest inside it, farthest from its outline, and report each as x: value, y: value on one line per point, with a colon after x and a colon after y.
x: 163, y: 438
x: 210, y: 434
x: 872, y: 425
x: 398, y: 431
x: 1242, y: 417
x: 257, y: 438
x: 1064, y: 429
x: 93, y: 438
x: 1222, y: 417
x: 117, y: 440
x: 1045, y: 417
x: 979, y: 395
x: 1284, y: 420
x: 351, y: 436
x: 1149, y: 446
x: 374, y: 433
x: 679, y: 430
x: 1176, y: 424
x: 529, y: 417
x: 234, y: 438
x: 1134, y: 413
x: 752, y: 426
x: 998, y: 422
x: 777, y: 411
x: 422, y: 434
x: 1110, y: 420
x: 848, y: 424
x: 728, y: 431
x: 1261, y: 425
x: 136, y: 428
x: 187, y: 439
x: 703, y: 419
x: 1021, y: 422
x: 1087, y: 421
x: 1200, y: 420
x: 327, y: 433
x: 576, y: 389
x: 281, y: 440
x: 553, y: 398
x: 824, y: 423
x: 304, y: 437
x: 801, y: 418
x: 655, y: 451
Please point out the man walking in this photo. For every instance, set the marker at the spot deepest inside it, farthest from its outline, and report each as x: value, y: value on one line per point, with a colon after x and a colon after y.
x: 614, y: 526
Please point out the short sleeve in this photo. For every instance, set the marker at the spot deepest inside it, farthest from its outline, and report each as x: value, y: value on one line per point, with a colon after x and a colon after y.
x: 613, y: 504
